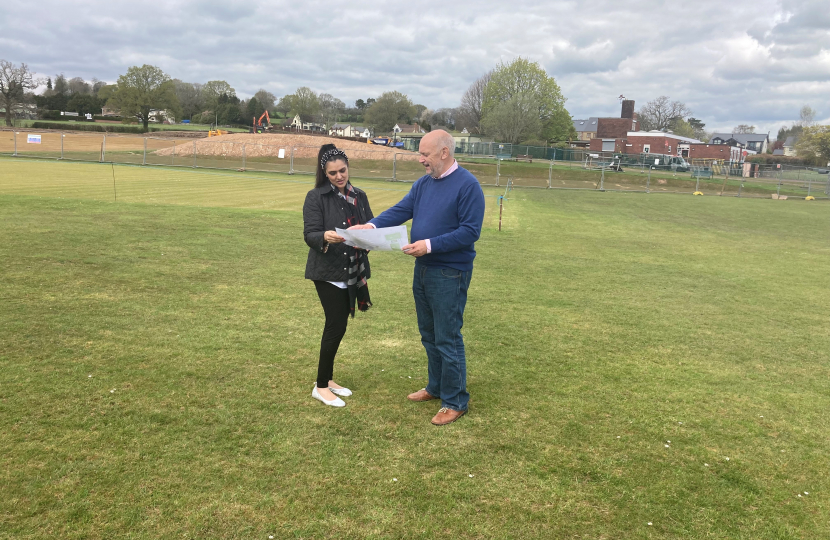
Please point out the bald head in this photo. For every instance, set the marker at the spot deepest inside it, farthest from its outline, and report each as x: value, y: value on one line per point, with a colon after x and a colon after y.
x: 437, y: 151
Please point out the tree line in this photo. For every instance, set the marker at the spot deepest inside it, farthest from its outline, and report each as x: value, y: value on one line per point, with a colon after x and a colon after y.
x: 515, y: 102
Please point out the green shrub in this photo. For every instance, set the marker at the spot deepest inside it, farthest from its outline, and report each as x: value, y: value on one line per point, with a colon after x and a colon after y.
x: 768, y: 159
x: 50, y: 115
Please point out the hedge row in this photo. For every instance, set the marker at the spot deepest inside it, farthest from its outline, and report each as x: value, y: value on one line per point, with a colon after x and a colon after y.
x: 769, y: 159
x: 114, y: 118
x: 56, y: 115
x: 111, y: 128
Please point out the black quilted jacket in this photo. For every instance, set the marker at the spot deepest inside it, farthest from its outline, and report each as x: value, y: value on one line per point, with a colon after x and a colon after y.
x: 324, y: 210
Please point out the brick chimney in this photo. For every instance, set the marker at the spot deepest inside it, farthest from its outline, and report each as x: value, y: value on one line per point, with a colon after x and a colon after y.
x: 627, y: 109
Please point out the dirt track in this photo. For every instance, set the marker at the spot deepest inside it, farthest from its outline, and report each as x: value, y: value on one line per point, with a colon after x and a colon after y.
x: 268, y: 145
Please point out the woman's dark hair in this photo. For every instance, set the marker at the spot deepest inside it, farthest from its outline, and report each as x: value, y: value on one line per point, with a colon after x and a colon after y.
x: 328, y: 152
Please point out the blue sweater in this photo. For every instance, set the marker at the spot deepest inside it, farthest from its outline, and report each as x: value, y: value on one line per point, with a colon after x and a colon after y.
x: 448, y: 212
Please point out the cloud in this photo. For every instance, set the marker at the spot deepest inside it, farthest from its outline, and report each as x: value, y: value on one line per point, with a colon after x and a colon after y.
x: 754, y: 63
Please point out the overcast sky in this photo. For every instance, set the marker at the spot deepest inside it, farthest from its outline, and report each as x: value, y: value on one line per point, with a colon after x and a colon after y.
x: 730, y: 62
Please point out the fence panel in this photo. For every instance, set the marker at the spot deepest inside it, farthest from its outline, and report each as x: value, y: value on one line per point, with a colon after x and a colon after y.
x: 407, y: 167
x: 7, y: 142
x: 211, y: 154
x: 40, y: 145
x: 485, y: 169
x: 378, y: 164
x: 158, y: 151
x: 117, y: 148
x: 492, y: 163
x: 267, y: 157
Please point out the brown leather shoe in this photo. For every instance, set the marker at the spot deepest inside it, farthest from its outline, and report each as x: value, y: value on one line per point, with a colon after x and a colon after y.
x: 447, y: 416
x: 420, y: 395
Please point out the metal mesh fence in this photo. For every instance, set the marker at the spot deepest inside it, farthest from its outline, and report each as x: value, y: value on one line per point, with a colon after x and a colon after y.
x: 492, y: 163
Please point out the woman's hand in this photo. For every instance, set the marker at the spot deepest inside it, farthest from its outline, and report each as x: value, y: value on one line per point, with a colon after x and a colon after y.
x: 333, y: 238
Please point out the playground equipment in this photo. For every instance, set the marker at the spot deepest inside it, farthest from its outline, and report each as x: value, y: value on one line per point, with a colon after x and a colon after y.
x: 596, y: 162
x: 386, y: 141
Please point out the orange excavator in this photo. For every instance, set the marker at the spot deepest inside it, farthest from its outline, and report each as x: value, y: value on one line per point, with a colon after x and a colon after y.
x: 259, y: 127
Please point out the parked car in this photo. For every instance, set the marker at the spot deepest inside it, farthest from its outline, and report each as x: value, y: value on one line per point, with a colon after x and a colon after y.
x: 655, y: 161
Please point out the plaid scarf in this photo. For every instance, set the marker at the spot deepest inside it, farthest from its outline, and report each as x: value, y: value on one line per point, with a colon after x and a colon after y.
x: 356, y: 284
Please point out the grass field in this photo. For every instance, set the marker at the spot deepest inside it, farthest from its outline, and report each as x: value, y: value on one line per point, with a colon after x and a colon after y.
x: 156, y: 150
x: 639, y: 366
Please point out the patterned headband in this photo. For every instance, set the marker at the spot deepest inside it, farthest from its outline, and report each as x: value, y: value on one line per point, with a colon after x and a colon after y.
x: 334, y: 153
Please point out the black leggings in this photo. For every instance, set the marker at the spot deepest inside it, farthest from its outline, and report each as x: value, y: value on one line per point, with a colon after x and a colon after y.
x: 336, y: 307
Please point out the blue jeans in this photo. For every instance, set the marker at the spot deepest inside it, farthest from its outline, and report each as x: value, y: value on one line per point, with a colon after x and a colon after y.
x: 440, y: 297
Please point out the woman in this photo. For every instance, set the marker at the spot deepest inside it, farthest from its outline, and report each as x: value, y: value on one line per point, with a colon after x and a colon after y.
x: 339, y: 272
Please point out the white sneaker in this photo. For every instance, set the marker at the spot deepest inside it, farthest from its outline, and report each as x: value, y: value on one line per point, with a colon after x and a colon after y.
x: 336, y: 402
x: 345, y: 392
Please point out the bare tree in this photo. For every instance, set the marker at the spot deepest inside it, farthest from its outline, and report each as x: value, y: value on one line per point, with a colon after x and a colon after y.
x: 79, y: 86
x: 807, y: 117
x: 661, y: 114
x: 444, y: 117
x: 743, y: 128
x: 284, y: 104
x: 190, y: 97
x: 61, y: 86
x: 97, y: 85
x: 469, y: 113
x: 14, y: 82
x: 266, y: 99
x: 330, y: 108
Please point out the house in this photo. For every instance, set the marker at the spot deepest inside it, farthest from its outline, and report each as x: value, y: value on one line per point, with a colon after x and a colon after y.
x: 659, y: 142
x: 297, y: 123
x: 408, y: 128
x: 340, y: 130
x: 22, y: 110
x: 411, y: 141
x: 586, y: 129
x: 348, y: 130
x: 469, y: 143
x: 758, y: 142
x: 610, y: 133
x: 789, y: 146
x: 161, y: 117
x: 646, y: 142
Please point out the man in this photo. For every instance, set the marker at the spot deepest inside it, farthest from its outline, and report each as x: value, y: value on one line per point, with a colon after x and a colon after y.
x: 446, y: 207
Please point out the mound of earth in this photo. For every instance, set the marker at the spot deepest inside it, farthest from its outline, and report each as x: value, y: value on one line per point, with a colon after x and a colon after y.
x: 268, y: 145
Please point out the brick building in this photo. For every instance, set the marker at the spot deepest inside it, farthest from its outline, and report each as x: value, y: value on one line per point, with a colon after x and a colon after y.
x: 611, y: 131
x: 657, y: 142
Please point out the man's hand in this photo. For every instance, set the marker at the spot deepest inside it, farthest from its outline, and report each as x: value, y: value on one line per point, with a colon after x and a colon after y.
x: 364, y: 226
x: 417, y: 249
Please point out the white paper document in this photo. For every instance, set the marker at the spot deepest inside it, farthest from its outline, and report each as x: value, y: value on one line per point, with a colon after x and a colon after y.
x: 385, y: 239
